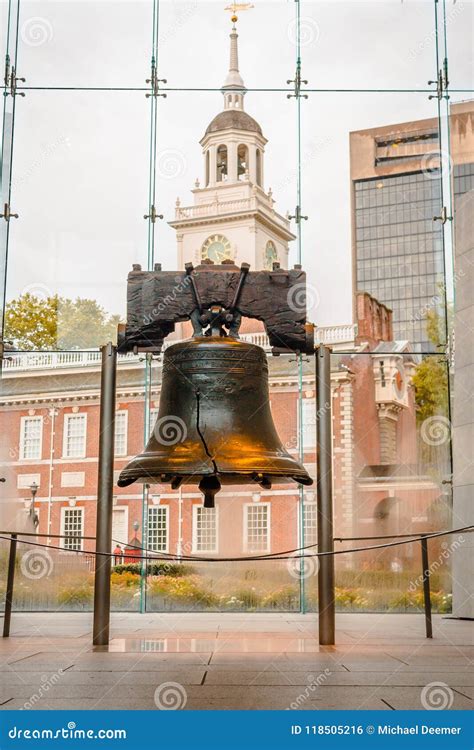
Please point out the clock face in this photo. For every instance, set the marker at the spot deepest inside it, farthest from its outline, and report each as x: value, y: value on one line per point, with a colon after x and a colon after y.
x: 216, y: 248
x: 271, y: 255
x: 399, y: 381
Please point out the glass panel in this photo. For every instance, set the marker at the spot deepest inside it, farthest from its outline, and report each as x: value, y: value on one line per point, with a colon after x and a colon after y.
x: 81, y: 188
x: 183, y: 26
x: 75, y: 44
x: 456, y: 19
x: 381, y: 191
x: 196, y: 215
x: 246, y: 522
x: 392, y: 476
x: 46, y: 458
x: 389, y: 45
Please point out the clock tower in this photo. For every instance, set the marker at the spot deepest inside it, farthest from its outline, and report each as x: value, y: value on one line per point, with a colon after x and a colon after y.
x: 233, y: 216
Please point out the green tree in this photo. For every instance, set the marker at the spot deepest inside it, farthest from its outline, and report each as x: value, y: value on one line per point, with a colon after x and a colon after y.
x: 431, y: 376
x: 35, y: 323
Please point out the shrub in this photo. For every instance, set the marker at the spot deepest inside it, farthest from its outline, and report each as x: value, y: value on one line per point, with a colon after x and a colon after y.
x: 156, y: 569
x: 287, y: 597
x: 250, y: 598
x: 124, y: 579
x: 351, y: 598
x: 76, y: 596
x: 183, y: 589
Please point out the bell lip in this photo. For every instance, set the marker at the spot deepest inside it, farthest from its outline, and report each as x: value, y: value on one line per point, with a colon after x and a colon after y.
x: 226, y: 477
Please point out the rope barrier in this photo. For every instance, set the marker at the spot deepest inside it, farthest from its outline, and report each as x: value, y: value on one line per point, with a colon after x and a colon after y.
x: 278, y: 556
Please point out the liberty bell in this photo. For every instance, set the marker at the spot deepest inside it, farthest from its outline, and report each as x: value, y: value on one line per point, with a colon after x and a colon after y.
x: 214, y: 423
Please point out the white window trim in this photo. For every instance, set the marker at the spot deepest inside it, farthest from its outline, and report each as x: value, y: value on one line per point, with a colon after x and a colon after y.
x: 22, y: 437
x: 63, y: 523
x: 67, y: 417
x: 269, y: 526
x: 125, y: 508
x: 299, y: 514
x: 125, y: 452
x: 194, y: 534
x: 167, y: 513
x: 311, y: 444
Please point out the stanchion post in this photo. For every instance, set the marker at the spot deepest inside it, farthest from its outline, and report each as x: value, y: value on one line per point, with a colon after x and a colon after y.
x: 326, y: 596
x: 426, y: 587
x: 105, y: 496
x: 9, y: 589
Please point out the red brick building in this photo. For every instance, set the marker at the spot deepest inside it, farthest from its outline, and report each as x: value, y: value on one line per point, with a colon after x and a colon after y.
x: 50, y: 428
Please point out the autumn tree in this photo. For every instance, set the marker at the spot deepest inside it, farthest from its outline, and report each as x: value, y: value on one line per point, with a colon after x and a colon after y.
x: 34, y: 323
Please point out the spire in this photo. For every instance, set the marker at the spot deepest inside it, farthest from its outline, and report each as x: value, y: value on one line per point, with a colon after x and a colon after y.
x: 234, y: 87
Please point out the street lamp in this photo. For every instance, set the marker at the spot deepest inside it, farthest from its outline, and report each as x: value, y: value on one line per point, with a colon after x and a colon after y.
x: 34, y: 489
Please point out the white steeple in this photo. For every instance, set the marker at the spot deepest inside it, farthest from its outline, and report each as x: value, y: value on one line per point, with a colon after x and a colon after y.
x: 234, y: 87
x: 233, y: 216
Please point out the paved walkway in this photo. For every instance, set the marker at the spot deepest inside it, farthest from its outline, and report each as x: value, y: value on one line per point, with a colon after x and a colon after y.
x: 232, y: 661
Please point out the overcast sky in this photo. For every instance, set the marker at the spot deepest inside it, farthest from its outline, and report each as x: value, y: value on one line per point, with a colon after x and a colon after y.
x: 80, y: 171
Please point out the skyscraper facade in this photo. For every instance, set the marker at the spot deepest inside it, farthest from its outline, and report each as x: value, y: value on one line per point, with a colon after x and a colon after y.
x: 397, y: 234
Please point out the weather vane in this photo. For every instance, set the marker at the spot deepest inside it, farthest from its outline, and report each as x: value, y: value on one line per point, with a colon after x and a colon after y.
x: 234, y: 7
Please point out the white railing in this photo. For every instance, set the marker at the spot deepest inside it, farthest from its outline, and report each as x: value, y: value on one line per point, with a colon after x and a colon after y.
x: 226, y: 207
x: 335, y: 334
x: 59, y: 360
x: 56, y: 360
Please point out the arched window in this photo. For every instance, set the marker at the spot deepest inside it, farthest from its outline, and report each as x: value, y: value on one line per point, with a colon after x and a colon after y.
x: 259, y: 167
x: 207, y: 168
x: 242, y: 162
x: 222, y: 164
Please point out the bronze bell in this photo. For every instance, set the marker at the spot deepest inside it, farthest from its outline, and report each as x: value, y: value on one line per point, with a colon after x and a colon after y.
x: 214, y: 423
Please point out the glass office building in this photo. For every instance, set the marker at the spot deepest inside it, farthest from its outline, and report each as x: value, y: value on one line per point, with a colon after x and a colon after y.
x: 397, y: 224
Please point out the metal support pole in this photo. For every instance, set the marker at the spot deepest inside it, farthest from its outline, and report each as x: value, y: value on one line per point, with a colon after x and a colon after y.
x: 9, y: 590
x: 105, y: 496
x: 326, y: 597
x: 426, y: 587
